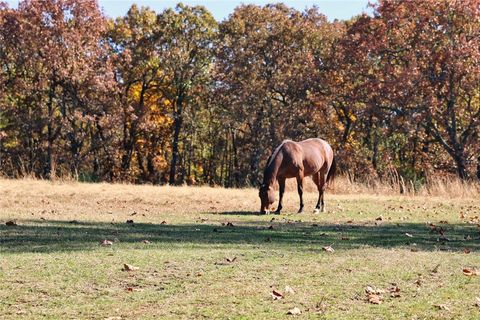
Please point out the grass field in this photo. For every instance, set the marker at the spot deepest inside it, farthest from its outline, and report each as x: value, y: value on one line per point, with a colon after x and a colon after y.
x: 206, y: 253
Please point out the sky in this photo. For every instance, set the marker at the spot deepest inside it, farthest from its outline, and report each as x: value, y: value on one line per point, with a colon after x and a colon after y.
x: 333, y: 9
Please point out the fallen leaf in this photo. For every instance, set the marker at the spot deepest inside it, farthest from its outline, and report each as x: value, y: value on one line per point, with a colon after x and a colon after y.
x: 394, y: 291
x: 374, y: 298
x: 295, y: 311
x: 380, y: 218
x: 470, y: 272
x: 442, y: 307
x: 276, y: 295
x: 106, y: 243
x: 129, y: 267
x: 328, y: 249
x: 11, y: 223
x: 466, y: 250
x: 372, y: 290
x: 289, y: 290
x: 134, y: 213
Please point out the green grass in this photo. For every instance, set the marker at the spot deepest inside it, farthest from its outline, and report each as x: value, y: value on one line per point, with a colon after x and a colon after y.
x: 53, y: 268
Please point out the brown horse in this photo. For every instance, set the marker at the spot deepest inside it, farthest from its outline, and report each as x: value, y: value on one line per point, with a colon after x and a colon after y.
x: 311, y: 157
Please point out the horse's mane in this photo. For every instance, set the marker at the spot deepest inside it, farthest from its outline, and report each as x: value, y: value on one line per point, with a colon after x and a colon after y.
x: 274, y: 154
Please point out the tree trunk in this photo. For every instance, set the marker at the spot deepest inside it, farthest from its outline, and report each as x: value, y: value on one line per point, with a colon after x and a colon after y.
x: 50, y: 134
x: 177, y: 127
x: 478, y: 167
x: 461, y: 166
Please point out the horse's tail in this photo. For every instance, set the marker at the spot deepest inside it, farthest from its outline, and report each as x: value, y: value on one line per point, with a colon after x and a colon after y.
x: 332, y: 171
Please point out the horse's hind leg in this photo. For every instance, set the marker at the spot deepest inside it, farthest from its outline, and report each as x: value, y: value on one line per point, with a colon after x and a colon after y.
x: 320, y: 180
x: 300, y: 189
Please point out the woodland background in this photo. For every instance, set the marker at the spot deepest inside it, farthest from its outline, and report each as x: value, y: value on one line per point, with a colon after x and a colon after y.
x: 177, y: 97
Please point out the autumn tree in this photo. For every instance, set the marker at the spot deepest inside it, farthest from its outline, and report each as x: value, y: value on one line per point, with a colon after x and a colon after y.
x: 266, y: 74
x: 184, y: 42
x: 423, y: 63
x: 55, y: 70
x: 137, y: 71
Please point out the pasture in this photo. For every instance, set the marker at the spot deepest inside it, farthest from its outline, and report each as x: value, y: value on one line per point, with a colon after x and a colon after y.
x: 205, y: 253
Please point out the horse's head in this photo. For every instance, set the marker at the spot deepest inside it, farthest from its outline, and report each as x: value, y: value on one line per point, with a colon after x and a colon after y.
x: 267, y: 198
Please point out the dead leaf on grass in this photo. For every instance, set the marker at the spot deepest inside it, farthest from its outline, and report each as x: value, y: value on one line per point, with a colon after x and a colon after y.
x: 470, y: 272
x: 231, y: 259
x: 106, y: 243
x: 328, y: 249
x: 442, y: 307
x: 276, y: 295
x: 394, y: 291
x: 129, y: 267
x: 374, y: 298
x: 466, y: 250
x: 372, y: 290
x: 295, y: 311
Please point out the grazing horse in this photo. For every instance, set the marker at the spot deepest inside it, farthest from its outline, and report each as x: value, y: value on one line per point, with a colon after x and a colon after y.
x: 311, y: 157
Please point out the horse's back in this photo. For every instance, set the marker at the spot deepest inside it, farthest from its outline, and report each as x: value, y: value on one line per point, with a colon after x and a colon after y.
x: 317, y: 154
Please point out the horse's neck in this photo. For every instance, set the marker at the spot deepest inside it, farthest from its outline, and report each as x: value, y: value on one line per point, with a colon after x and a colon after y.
x: 272, y: 169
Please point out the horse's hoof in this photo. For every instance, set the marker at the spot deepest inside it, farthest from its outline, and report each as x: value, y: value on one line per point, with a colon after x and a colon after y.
x: 300, y: 211
x: 276, y: 212
x: 316, y: 211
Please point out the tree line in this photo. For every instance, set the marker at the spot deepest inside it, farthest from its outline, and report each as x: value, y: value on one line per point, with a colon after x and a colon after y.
x: 178, y: 97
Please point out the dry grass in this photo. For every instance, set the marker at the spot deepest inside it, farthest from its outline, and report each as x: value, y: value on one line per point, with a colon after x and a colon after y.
x: 52, y: 266
x: 440, y: 187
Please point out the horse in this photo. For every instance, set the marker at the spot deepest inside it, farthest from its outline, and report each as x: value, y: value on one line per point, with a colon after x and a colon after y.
x: 312, y: 157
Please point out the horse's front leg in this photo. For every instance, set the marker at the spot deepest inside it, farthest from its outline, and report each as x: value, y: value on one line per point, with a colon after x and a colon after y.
x: 281, y: 185
x: 300, y: 190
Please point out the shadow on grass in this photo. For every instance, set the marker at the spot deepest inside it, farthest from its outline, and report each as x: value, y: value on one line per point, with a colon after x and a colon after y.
x: 242, y: 213
x: 51, y: 236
